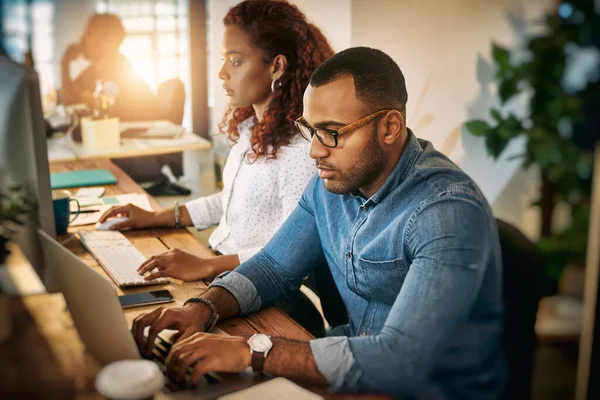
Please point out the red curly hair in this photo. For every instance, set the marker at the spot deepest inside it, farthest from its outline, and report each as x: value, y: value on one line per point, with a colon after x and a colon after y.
x: 277, y: 27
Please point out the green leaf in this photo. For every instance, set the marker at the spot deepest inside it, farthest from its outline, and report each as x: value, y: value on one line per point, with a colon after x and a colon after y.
x: 507, y: 89
x: 478, y: 127
x: 496, y: 115
x: 495, y: 144
x: 501, y: 56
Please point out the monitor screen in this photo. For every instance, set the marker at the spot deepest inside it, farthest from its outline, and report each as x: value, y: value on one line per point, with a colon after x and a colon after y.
x: 588, y: 369
x: 24, y: 158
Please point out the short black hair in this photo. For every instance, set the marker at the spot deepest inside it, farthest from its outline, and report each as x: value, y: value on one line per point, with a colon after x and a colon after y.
x: 378, y: 81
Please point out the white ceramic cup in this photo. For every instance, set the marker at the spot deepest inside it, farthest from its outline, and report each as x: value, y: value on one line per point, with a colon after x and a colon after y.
x: 130, y: 380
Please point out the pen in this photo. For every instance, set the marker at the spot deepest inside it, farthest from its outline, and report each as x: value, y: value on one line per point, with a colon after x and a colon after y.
x: 85, y: 211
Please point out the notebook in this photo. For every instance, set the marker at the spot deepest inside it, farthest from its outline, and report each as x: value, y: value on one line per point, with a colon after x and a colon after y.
x: 90, y: 177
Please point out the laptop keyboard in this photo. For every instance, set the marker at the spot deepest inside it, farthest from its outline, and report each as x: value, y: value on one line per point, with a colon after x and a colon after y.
x: 160, y: 350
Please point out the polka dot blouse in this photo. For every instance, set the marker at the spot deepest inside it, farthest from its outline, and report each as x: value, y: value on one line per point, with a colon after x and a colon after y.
x: 256, y: 198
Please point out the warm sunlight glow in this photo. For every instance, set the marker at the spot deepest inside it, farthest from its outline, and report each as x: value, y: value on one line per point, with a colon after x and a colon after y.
x: 138, y: 50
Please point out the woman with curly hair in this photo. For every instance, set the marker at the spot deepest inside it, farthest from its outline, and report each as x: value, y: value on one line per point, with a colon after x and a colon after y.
x: 269, y: 53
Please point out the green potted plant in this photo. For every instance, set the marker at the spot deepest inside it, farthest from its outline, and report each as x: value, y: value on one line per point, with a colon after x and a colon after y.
x: 13, y: 205
x: 559, y: 78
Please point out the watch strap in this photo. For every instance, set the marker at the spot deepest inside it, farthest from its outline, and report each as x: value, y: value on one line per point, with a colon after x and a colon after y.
x: 258, y: 361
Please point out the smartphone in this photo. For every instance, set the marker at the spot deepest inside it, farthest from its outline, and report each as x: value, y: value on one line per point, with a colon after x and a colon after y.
x: 145, y: 298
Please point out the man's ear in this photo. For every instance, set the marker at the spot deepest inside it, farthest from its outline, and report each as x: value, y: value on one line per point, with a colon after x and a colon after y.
x: 394, y: 127
x: 278, y: 66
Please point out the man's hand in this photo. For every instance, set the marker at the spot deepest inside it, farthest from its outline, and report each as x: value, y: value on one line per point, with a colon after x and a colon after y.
x: 187, y: 320
x: 178, y: 264
x: 72, y: 52
x: 205, y: 352
x: 137, y: 217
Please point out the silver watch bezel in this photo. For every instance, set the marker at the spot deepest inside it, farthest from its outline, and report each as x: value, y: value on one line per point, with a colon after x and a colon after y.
x: 254, y: 347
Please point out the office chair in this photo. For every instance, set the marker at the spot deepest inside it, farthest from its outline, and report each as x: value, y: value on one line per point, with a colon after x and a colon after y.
x: 523, y: 274
x: 171, y: 98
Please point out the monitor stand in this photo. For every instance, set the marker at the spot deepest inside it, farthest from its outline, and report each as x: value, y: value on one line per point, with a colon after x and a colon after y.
x: 167, y: 188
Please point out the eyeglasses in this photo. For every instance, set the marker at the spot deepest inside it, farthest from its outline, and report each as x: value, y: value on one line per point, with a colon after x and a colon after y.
x: 329, y: 137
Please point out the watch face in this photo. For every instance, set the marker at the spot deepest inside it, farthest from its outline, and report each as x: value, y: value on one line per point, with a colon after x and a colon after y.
x: 260, y: 342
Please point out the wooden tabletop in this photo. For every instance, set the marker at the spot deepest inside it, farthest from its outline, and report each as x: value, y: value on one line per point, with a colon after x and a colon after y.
x: 155, y: 241
x: 44, y: 357
x: 61, y: 149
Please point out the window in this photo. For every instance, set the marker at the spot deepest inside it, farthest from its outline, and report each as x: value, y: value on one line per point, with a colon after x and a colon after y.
x: 27, y: 28
x: 156, y: 41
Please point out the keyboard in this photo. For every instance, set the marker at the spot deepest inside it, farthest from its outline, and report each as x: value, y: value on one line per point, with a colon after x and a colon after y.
x: 119, y: 258
x: 160, y: 350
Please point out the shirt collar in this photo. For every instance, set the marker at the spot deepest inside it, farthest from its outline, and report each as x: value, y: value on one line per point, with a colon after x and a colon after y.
x: 245, y: 127
x: 409, y: 156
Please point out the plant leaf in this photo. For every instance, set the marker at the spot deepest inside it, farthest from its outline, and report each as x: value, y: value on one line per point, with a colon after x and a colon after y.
x: 496, y: 115
x: 501, y: 56
x: 478, y: 127
x: 507, y: 89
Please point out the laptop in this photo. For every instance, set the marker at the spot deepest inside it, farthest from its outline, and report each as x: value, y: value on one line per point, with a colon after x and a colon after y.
x: 100, y: 322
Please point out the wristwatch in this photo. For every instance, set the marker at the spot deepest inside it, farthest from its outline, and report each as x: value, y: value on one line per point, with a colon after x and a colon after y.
x: 260, y: 345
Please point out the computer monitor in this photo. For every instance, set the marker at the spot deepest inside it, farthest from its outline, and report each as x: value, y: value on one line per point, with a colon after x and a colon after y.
x: 24, y: 158
x: 588, y: 369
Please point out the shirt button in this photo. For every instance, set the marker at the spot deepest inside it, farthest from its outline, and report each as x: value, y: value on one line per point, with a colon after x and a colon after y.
x: 348, y: 255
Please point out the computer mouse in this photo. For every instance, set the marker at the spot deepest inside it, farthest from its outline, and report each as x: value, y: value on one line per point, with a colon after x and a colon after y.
x: 105, y: 226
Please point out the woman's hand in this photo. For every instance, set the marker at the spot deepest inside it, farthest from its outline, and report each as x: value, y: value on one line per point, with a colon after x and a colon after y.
x: 178, y: 264
x: 137, y: 217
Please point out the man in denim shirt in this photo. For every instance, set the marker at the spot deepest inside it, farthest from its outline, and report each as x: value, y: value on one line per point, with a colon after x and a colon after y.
x: 411, y: 244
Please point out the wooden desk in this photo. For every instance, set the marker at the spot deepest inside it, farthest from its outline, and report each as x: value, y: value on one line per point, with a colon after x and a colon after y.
x: 62, y: 148
x: 155, y: 241
x: 45, y: 358
x: 198, y: 161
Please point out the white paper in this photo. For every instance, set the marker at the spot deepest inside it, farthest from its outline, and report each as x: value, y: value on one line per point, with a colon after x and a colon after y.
x: 88, y: 218
x: 90, y: 192
x: 274, y: 389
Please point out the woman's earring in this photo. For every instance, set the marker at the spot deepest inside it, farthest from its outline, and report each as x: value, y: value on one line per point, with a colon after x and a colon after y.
x: 273, y: 84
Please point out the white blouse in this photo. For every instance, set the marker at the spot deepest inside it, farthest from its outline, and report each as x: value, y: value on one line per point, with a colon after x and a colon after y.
x: 256, y: 198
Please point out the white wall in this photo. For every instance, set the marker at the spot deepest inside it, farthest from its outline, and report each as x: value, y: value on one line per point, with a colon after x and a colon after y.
x: 443, y: 49
x: 333, y: 17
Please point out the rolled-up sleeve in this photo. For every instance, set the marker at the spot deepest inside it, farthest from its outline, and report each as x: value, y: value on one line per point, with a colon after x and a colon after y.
x: 206, y: 211
x: 241, y: 288
x: 335, y: 361
x: 279, y: 268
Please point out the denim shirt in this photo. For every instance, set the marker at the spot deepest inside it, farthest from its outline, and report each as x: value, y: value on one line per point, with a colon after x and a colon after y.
x: 418, y: 266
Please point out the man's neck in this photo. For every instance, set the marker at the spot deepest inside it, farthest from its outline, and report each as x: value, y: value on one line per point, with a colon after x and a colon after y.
x: 372, y: 188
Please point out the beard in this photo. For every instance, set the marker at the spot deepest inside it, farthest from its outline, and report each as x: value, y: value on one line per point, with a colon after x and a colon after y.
x: 370, y: 163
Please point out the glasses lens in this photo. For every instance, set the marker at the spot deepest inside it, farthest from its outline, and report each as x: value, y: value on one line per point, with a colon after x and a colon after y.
x: 326, y: 138
x: 304, y: 131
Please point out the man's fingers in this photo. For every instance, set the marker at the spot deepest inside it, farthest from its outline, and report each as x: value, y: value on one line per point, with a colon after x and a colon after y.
x: 162, y: 323
x: 188, y: 359
x: 201, y: 368
x: 186, y: 334
x: 180, y: 347
x: 142, y: 321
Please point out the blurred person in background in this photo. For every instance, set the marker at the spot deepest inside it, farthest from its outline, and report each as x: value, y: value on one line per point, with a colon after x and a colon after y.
x: 104, y: 33
x: 269, y: 52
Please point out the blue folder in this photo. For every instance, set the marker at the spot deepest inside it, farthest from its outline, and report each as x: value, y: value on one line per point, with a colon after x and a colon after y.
x: 90, y: 177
